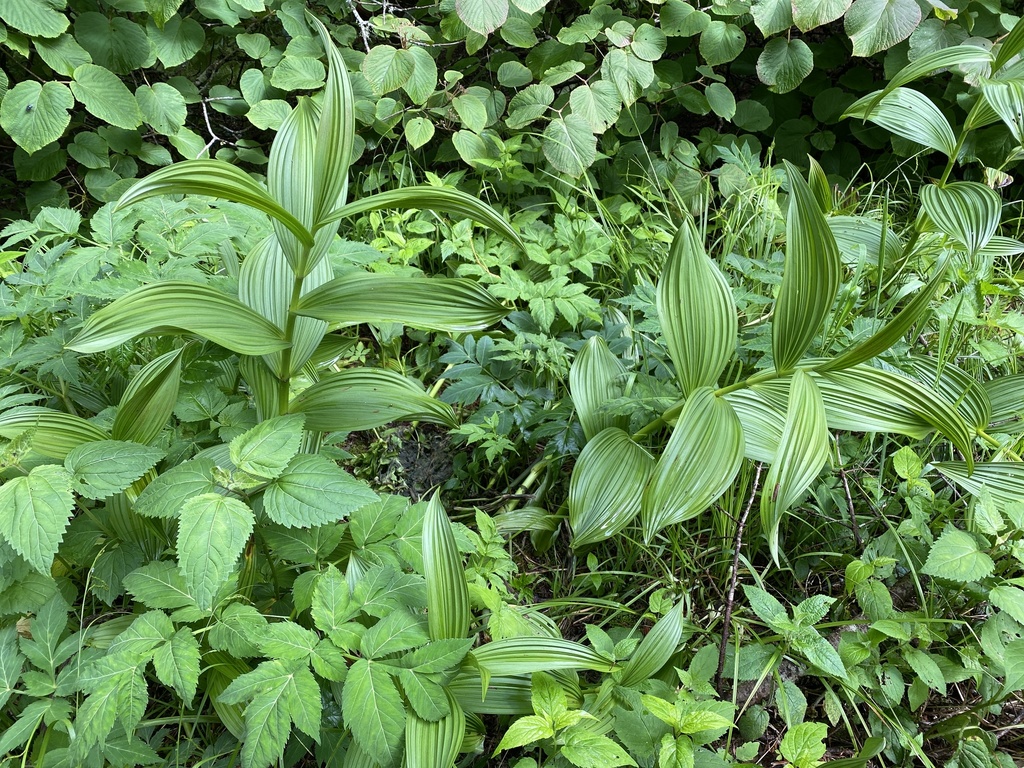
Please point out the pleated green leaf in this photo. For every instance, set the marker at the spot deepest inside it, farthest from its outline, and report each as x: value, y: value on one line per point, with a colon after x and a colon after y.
x: 265, y: 285
x: 697, y: 311
x: 214, y: 178
x: 596, y: 377
x: 966, y: 211
x: 1010, y: 46
x: 365, y: 398
x: 810, y: 278
x: 607, y: 485
x: 655, y: 649
x: 452, y: 305
x: 762, y: 424
x: 893, y: 330
x: 955, y: 386
x: 819, y: 185
x: 802, y: 453
x: 1007, y: 99
x: 700, y: 461
x: 505, y: 695
x: 854, y: 233
x: 909, y: 114
x: 1004, y: 480
x: 336, y: 131
x: 447, y: 594
x: 434, y: 744
x: 148, y: 401
x: 441, y: 199
x: 290, y: 179
x: 944, y: 58
x: 866, y: 399
x: 54, y: 434
x: 180, y: 307
x: 526, y: 655
x: 1006, y: 396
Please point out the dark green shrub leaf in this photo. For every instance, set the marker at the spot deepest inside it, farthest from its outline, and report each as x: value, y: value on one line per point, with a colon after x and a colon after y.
x: 177, y: 41
x: 772, y: 16
x: 877, y: 25
x: 783, y: 64
x: 62, y: 54
x: 116, y: 44
x: 721, y: 42
x: 648, y: 42
x: 35, y: 114
x: 163, y: 107
x: 35, y: 18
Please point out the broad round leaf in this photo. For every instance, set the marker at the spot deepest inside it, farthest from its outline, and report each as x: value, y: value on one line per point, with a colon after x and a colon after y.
x: 721, y: 42
x: 418, y: 132
x: 570, y: 145
x: 607, y: 485
x: 877, y: 25
x: 163, y: 107
x: 116, y: 44
x: 482, y: 16
x: 772, y: 16
x: 648, y: 42
x: 34, y: 114
x: 598, y: 104
x: 808, y: 14
x: 423, y: 80
x: 783, y: 64
x: 35, y: 18
x: 178, y: 41
x: 62, y: 54
x: 387, y: 69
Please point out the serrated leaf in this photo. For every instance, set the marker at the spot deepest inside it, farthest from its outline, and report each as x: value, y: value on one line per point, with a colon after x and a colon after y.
x: 146, y: 632
x: 955, y: 555
x: 237, y: 630
x: 314, y: 491
x: 804, y: 744
x: 817, y: 650
x: 810, y: 278
x: 177, y: 664
x: 525, y: 730
x: 158, y: 585
x: 266, y: 449
x: 928, y: 671
x: 425, y: 696
x: 287, y: 640
x: 35, y: 114
x: 607, y: 486
x: 168, y: 492
x: 117, y: 692
x: 103, y: 468
x: 1008, y: 599
x: 592, y: 750
x: 437, y: 655
x: 212, y: 532
x: 374, y: 711
x: 877, y: 25
x: 699, y: 462
x: 34, y: 513
x: 697, y: 311
x: 399, y: 631
x: 802, y: 453
x: 104, y: 95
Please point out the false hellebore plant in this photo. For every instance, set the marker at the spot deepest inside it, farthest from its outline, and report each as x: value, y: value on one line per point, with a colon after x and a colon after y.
x: 374, y: 630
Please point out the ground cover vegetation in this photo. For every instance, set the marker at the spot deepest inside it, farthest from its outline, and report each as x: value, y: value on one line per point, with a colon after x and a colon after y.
x: 511, y: 383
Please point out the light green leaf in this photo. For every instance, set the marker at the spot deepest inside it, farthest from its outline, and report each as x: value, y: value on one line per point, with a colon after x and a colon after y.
x: 266, y: 449
x: 810, y: 279
x: 599, y: 104
x: 149, y: 400
x: 365, y: 398
x: 105, y: 96
x: 772, y: 16
x: 482, y: 16
x: 287, y: 640
x: 804, y: 744
x: 592, y: 750
x: 398, y: 631
x: 212, y: 532
x: 177, y: 664
x: 819, y: 651
x: 387, y: 68
x: 809, y: 14
x: 163, y: 107
x: 570, y: 145
x: 700, y: 461
x: 877, y: 25
x: 374, y: 711
x: 435, y: 744
x: 189, y: 307
x: 103, y: 468
x: 802, y: 453
x: 332, y: 606
x: 595, y: 378
x: 524, y: 731
x: 35, y: 114
x: 116, y: 44
x: 697, y: 311
x: 472, y: 111
x: 158, y: 585
x: 721, y: 42
x: 1008, y: 599
x: 955, y: 555
x: 526, y: 655
x: 298, y: 73
x: 783, y: 64
x: 168, y: 492
x: 35, y: 18
x: 607, y: 486
x: 314, y: 491
x: 909, y: 114
x: 162, y: 10
x: 967, y: 211
x: 648, y: 42
x: 453, y: 305
x: 721, y: 100
x: 51, y: 433
x: 928, y: 671
x: 1013, y: 664
x: 1004, y: 480
x: 178, y: 41
x: 418, y: 132
x: 655, y: 649
x: 34, y: 513
x: 423, y: 81
x: 62, y: 54
x: 237, y: 629
x: 443, y: 568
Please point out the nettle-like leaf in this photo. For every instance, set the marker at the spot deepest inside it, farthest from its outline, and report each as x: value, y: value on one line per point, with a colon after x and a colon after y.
x: 802, y: 453
x: 177, y: 664
x: 955, y: 555
x: 102, y: 468
x: 697, y: 311
x: 266, y: 449
x: 168, y: 492
x: 278, y: 693
x: 34, y: 513
x: 374, y: 711
x: 313, y: 490
x: 212, y: 532
x: 810, y: 279
x: 700, y: 461
x: 607, y: 486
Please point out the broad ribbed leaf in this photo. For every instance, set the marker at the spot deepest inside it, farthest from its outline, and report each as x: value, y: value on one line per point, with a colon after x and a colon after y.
x: 700, y: 461
x: 894, y: 330
x: 1004, y: 480
x: 451, y: 305
x: 810, y: 279
x: 506, y: 695
x: 214, y: 178
x: 966, y: 211
x: 1010, y: 46
x: 526, y: 655
x: 335, y: 131
x: 266, y: 449
x: 656, y: 648
x: 442, y: 199
x: 177, y: 306
x: 290, y: 177
x: 955, y: 386
x: 314, y: 491
x: 34, y: 513
x: 102, y: 468
x: 854, y: 233
x: 1006, y: 396
x: 434, y: 744
x: 212, y: 532
x: 147, y: 403
x: 802, y: 453
x: 365, y: 398
x: 447, y: 594
x: 596, y: 377
x: 607, y: 485
x: 697, y: 311
x: 53, y: 434
x: 1007, y: 99
x: 944, y: 58
x: 374, y: 711
x: 265, y: 284
x: 909, y: 114
x: 762, y: 424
